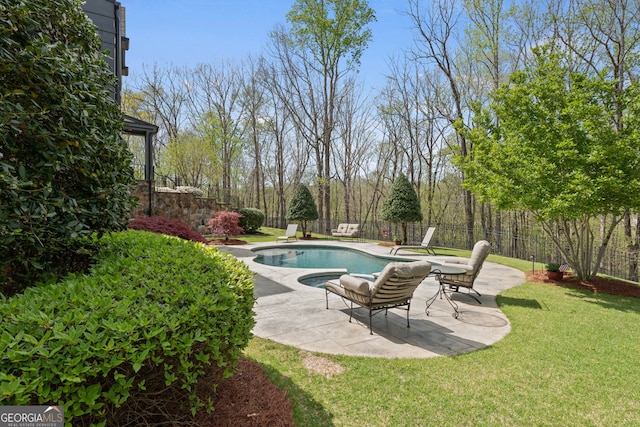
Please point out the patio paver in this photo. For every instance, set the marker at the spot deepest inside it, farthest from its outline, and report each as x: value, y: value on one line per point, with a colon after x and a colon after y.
x: 294, y: 314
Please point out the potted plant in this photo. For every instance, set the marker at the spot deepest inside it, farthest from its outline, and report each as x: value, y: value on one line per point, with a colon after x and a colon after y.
x: 553, y: 271
x: 397, y: 240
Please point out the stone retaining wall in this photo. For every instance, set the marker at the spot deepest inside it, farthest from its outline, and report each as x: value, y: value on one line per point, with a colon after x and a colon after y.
x: 185, y: 207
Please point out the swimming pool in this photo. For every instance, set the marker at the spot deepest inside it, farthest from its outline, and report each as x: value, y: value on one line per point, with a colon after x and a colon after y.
x: 319, y: 279
x: 308, y: 256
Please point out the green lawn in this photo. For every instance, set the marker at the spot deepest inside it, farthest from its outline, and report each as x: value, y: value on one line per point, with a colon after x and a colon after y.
x: 268, y: 234
x: 571, y: 359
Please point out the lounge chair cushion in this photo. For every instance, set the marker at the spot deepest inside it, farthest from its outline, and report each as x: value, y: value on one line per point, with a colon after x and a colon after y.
x: 355, y: 284
x: 346, y: 230
x: 342, y: 228
x: 393, y: 287
x: 360, y: 290
x: 401, y: 270
x: 352, y: 230
x: 473, y: 265
x: 292, y: 229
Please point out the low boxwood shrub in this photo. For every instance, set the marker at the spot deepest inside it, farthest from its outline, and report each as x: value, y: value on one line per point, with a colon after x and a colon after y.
x: 162, y: 225
x: 152, y: 315
x: 252, y: 219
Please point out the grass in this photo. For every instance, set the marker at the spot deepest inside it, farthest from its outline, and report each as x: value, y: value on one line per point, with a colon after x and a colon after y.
x: 268, y: 234
x: 570, y: 360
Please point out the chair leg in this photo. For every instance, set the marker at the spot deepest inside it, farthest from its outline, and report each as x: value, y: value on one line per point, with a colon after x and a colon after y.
x: 408, y: 307
x: 370, y: 326
x: 326, y: 296
x: 455, y: 288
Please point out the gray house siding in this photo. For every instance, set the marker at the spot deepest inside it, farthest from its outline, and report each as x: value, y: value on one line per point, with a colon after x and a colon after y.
x: 109, y: 17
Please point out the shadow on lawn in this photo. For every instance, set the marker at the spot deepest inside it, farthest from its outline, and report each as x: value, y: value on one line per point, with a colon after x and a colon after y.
x: 609, y: 301
x: 315, y: 413
x: 518, y: 302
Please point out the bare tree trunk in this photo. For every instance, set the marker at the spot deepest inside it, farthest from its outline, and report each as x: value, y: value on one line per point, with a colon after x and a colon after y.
x: 435, y: 29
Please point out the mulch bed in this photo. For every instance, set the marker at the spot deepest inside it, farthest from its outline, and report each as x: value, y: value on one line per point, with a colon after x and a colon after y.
x: 388, y: 244
x: 230, y: 242
x: 598, y: 285
x: 248, y: 399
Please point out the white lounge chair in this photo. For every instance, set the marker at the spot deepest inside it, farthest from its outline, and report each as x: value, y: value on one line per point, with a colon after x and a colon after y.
x: 292, y: 229
x: 424, y: 245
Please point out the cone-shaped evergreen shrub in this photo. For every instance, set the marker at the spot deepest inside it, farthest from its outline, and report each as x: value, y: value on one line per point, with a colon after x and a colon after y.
x: 402, y: 204
x: 302, y: 207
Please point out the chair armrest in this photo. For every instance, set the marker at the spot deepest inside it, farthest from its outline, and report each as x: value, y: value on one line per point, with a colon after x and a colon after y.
x: 355, y: 284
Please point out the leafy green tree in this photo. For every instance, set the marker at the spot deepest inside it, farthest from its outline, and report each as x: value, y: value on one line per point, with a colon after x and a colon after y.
x: 191, y: 159
x: 302, y: 207
x: 64, y: 170
x: 556, y: 152
x: 402, y: 205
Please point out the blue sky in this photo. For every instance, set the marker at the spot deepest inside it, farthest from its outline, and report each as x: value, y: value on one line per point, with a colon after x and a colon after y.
x: 188, y: 32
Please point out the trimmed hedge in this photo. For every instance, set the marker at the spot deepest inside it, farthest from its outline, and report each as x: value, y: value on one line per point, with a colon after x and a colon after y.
x: 251, y: 220
x: 152, y: 315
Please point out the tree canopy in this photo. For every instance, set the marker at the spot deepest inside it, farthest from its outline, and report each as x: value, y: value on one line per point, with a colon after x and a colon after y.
x: 332, y: 29
x: 402, y: 204
x: 549, y: 144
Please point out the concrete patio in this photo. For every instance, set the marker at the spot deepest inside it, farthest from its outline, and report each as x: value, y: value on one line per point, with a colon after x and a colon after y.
x: 295, y: 314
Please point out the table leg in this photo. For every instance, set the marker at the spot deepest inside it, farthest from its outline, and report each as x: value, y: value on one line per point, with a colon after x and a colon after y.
x: 441, y: 291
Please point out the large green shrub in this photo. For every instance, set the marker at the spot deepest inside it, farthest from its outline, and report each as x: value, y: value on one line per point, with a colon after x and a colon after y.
x: 152, y: 315
x: 252, y: 219
x: 64, y: 170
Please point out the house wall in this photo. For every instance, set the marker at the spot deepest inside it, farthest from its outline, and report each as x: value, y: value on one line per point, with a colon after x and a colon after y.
x: 109, y: 17
x: 101, y: 13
